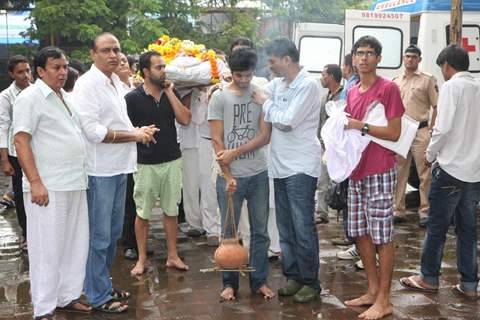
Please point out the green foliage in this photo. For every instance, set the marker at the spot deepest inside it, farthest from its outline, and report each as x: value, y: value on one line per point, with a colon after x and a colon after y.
x: 73, y: 24
x: 234, y: 23
x: 15, y: 4
x: 24, y: 50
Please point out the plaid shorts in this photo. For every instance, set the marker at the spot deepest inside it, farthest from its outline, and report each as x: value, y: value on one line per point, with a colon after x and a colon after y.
x: 370, y: 206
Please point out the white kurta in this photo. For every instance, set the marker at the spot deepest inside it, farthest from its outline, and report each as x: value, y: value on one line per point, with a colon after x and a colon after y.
x: 57, y: 234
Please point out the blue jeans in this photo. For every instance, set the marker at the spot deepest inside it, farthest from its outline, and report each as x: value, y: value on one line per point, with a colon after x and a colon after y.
x: 295, y: 205
x: 450, y: 197
x: 106, y: 208
x: 255, y: 190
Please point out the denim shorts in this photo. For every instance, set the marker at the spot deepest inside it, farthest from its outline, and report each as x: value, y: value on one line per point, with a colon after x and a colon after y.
x: 370, y: 206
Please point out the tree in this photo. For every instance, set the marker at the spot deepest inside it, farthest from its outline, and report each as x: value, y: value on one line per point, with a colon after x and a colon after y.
x: 71, y: 25
x: 15, y: 5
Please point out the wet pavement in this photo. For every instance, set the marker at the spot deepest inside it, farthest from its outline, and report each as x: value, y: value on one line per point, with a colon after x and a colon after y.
x: 169, y: 294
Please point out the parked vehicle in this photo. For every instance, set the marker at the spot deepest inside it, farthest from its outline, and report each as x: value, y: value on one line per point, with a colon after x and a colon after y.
x: 396, y: 24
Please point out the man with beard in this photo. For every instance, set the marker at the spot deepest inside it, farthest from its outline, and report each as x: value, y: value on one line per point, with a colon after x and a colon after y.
x: 19, y: 71
x: 159, y: 172
x: 111, y: 155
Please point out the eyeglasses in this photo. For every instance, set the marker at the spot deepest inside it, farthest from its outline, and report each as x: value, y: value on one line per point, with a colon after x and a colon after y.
x: 367, y: 54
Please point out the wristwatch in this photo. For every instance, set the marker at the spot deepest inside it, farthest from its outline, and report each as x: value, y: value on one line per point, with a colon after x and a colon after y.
x: 365, y: 129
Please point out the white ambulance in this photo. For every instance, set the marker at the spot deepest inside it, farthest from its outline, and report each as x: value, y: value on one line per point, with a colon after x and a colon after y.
x: 396, y: 24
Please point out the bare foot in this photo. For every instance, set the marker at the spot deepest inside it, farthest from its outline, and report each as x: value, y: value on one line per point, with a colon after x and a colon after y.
x: 266, y: 292
x: 228, y: 294
x: 377, y: 311
x: 140, y: 268
x: 366, y: 300
x: 176, y: 263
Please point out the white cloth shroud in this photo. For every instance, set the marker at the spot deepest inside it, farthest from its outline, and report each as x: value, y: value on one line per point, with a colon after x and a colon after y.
x: 189, y: 71
x: 344, y: 148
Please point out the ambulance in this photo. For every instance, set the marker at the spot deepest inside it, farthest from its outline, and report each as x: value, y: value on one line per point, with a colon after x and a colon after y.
x: 396, y: 24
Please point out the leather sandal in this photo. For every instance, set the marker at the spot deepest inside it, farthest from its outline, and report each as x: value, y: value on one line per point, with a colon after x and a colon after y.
x: 112, y: 306
x: 71, y: 307
x: 120, y: 295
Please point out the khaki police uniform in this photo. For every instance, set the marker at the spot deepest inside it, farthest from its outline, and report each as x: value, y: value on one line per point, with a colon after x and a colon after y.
x: 419, y: 93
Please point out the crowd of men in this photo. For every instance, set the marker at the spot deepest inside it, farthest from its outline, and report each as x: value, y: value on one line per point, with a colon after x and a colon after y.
x: 92, y: 152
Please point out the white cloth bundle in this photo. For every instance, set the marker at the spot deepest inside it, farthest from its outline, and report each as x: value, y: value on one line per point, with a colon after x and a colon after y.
x: 332, y: 107
x: 189, y: 71
x: 343, y: 147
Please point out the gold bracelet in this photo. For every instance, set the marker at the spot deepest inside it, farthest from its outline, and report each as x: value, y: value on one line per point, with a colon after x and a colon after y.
x: 114, y: 136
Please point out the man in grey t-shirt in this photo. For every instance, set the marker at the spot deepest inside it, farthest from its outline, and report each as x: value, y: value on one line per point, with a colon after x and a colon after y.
x: 238, y: 135
x: 240, y: 125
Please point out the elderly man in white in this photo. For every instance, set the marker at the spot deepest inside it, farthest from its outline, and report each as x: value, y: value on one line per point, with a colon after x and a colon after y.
x: 51, y: 151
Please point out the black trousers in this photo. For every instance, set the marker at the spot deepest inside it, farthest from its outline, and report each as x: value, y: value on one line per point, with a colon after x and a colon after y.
x: 129, y: 240
x: 18, y: 195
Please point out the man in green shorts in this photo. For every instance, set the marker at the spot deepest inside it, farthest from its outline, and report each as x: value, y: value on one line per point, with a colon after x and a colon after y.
x: 159, y: 174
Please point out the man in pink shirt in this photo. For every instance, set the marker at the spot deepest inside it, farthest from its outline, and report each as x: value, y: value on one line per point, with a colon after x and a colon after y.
x: 372, y: 183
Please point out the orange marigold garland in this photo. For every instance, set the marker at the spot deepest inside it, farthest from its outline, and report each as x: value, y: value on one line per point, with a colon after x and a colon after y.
x: 170, y: 48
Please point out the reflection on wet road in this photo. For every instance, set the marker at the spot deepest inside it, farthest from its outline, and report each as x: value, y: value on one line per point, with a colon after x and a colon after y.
x: 169, y: 294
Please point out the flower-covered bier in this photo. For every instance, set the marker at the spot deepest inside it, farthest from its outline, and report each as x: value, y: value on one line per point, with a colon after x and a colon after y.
x: 187, y: 62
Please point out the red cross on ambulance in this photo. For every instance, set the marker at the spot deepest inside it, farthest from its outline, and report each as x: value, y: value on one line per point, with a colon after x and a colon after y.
x: 467, y: 46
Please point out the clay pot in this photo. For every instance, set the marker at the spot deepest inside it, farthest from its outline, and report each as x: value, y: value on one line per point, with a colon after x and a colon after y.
x: 231, y: 254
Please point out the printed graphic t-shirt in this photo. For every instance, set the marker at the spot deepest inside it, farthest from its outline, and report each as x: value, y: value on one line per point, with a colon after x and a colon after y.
x: 375, y: 159
x: 241, y: 119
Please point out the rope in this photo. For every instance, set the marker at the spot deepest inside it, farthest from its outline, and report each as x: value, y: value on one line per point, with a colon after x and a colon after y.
x: 230, y: 219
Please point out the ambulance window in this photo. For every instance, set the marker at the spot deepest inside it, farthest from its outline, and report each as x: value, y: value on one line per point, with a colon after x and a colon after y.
x: 316, y: 52
x: 471, y: 43
x: 391, y: 40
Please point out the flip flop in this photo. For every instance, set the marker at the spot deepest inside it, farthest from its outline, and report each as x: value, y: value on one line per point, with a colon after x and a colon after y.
x: 71, y: 307
x: 411, y: 284
x: 469, y: 295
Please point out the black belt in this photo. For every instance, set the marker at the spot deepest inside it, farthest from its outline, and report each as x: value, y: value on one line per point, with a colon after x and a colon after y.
x: 423, y: 124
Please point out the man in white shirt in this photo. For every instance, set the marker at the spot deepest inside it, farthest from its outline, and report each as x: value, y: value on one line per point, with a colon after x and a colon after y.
x: 111, y: 155
x: 199, y: 195
x: 19, y: 71
x: 51, y: 151
x: 292, y: 105
x: 455, y: 188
